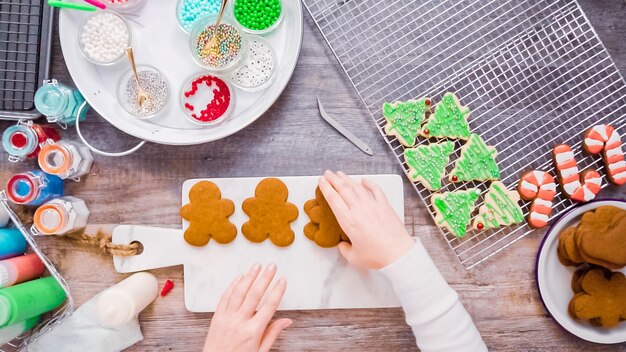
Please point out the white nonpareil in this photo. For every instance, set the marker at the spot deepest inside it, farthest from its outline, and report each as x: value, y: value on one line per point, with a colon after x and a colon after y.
x: 104, y: 37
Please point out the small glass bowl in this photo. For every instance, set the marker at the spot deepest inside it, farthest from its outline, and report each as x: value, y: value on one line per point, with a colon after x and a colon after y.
x: 127, y: 7
x: 82, y: 45
x: 122, y: 88
x: 249, y: 62
x: 201, y: 16
x: 265, y: 31
x: 201, y: 26
x: 189, y: 103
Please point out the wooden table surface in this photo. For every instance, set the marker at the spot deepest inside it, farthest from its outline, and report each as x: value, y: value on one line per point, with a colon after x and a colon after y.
x: 291, y: 139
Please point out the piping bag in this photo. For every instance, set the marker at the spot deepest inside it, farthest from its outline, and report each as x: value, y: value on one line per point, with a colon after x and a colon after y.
x: 108, y: 322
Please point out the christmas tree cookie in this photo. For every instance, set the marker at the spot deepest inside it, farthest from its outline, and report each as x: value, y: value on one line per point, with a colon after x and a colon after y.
x: 427, y: 163
x: 404, y: 119
x: 449, y: 120
x: 454, y: 210
x: 500, y: 208
x: 477, y: 162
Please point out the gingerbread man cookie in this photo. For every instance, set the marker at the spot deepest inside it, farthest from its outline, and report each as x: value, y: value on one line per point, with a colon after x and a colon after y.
x: 601, y: 298
x: 208, y: 214
x: 270, y: 214
x: 323, y: 229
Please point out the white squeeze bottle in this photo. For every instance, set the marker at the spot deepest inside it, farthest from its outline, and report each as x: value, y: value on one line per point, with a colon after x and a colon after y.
x: 60, y: 216
x: 123, y: 302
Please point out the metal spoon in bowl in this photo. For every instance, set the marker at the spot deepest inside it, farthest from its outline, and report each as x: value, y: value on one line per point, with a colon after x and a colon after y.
x: 211, y: 46
x: 142, y: 96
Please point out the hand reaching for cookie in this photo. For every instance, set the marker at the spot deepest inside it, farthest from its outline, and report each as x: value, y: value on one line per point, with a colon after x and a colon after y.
x: 377, y: 236
x: 242, y: 319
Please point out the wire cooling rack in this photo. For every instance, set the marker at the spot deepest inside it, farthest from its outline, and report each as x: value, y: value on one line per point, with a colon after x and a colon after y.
x: 25, y: 34
x: 533, y: 72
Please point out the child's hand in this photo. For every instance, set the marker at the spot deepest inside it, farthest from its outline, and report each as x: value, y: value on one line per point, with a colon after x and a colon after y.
x: 239, y: 322
x: 377, y: 235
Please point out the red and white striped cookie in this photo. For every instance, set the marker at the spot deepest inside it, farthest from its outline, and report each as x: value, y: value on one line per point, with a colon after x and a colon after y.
x: 604, y: 138
x: 540, y: 188
x: 570, y: 176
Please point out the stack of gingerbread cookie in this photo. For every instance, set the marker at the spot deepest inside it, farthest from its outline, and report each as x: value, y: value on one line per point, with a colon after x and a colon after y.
x: 599, y: 239
x: 598, y: 243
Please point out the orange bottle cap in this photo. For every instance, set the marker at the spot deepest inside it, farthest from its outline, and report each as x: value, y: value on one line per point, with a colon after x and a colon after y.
x: 54, y: 159
x: 49, y: 219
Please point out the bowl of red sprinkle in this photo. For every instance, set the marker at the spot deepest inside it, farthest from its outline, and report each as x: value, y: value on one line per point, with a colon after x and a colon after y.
x: 207, y: 99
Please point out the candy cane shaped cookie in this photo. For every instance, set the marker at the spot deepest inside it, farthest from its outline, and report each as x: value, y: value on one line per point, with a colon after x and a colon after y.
x: 570, y: 176
x: 604, y: 138
x: 540, y: 188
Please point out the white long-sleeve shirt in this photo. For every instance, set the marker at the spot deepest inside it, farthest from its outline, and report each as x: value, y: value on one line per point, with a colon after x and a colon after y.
x: 432, y: 308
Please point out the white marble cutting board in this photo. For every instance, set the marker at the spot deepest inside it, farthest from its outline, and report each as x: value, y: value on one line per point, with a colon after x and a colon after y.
x: 318, y: 278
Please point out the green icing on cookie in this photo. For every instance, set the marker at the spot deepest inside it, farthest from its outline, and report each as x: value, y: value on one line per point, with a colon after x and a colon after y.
x: 404, y: 119
x: 427, y: 163
x: 449, y: 120
x: 500, y: 208
x: 477, y: 162
x: 454, y: 210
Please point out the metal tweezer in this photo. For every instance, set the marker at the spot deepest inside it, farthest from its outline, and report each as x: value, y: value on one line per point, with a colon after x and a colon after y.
x: 351, y: 137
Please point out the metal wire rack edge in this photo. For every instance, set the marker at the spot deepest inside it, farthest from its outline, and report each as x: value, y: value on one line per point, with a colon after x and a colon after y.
x: 476, y: 62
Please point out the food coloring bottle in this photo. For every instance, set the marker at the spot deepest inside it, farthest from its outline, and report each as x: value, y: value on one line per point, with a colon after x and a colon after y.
x: 60, y: 216
x: 68, y: 160
x: 20, y: 269
x: 29, y: 299
x: 60, y: 103
x: 34, y: 188
x: 22, y: 141
x: 10, y: 332
x: 12, y: 243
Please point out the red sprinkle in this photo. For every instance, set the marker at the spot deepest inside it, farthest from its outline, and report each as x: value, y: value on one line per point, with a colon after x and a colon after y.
x: 427, y: 102
x: 480, y: 226
x: 167, y: 287
x: 426, y: 132
x: 455, y: 178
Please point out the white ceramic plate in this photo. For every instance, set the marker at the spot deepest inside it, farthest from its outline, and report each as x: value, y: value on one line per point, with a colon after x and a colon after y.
x: 554, y: 280
x: 159, y: 42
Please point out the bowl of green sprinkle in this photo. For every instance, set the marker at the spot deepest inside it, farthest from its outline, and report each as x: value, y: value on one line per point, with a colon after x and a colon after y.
x: 258, y: 16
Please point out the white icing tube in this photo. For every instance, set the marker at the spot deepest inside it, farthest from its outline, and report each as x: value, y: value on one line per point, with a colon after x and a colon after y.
x: 121, y: 303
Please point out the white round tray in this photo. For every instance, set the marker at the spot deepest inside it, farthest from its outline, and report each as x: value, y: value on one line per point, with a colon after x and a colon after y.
x: 554, y: 280
x: 158, y: 41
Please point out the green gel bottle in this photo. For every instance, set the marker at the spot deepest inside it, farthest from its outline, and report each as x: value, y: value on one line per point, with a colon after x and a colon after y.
x: 29, y: 299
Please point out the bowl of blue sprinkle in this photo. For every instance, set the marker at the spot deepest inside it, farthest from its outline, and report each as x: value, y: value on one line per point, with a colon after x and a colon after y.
x: 188, y: 12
